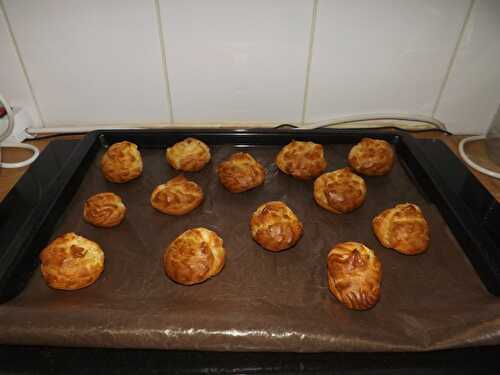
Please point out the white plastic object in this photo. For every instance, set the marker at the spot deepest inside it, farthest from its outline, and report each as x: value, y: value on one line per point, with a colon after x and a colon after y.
x: 415, y: 122
x: 374, y: 117
x: 22, y: 121
x: 5, y: 133
x: 469, y: 162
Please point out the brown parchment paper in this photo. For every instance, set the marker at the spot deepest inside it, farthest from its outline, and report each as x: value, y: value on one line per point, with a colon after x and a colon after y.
x: 261, y: 301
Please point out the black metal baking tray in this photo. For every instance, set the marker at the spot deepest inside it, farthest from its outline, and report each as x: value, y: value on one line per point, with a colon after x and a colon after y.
x: 30, y: 213
x: 31, y: 210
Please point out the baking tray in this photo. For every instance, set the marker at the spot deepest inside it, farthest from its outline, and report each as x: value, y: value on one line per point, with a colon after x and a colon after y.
x: 48, y: 201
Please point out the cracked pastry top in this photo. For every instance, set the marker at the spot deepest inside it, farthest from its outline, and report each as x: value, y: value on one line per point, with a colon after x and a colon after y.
x: 195, y: 256
x: 104, y: 210
x: 121, y: 162
x: 71, y: 262
x: 178, y: 196
x: 372, y: 157
x: 189, y: 155
x: 402, y: 228
x: 340, y: 191
x: 354, y: 275
x: 241, y: 172
x: 275, y: 227
x: 302, y: 160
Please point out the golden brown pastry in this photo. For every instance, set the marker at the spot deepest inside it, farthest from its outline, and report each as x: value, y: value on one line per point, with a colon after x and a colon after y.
x: 121, y: 162
x: 177, y: 197
x: 371, y: 157
x: 104, y: 210
x: 340, y: 191
x: 402, y: 228
x: 194, y: 256
x: 241, y: 172
x: 302, y: 160
x: 71, y: 262
x: 189, y: 155
x: 354, y: 275
x: 275, y: 227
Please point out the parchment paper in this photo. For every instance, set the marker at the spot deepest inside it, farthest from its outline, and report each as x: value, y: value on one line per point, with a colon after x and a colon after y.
x: 261, y: 301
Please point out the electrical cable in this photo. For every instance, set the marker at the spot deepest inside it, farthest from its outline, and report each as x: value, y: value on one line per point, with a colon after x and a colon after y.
x: 469, y: 162
x: 373, y: 117
x: 23, y: 163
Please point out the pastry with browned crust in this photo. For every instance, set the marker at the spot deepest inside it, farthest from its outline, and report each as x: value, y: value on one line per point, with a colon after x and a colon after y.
x: 194, y: 256
x: 71, y: 262
x: 402, y: 228
x: 302, y: 160
x: 372, y: 157
x: 177, y: 196
x: 354, y: 275
x: 104, y: 210
x: 340, y: 191
x: 189, y: 155
x: 121, y: 162
x: 241, y: 172
x: 275, y: 226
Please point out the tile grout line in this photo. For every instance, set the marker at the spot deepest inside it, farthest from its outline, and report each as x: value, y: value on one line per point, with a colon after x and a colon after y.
x: 21, y: 62
x: 164, y: 59
x: 309, y: 60
x: 452, y: 58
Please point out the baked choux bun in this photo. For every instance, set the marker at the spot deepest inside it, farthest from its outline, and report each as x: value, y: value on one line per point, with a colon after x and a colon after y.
x: 340, y: 191
x: 372, y: 157
x: 189, y: 155
x: 275, y: 227
x: 194, y: 256
x: 177, y: 196
x: 104, y: 210
x: 402, y: 228
x: 241, y: 172
x: 302, y: 160
x: 354, y: 275
x: 121, y: 162
x: 71, y: 262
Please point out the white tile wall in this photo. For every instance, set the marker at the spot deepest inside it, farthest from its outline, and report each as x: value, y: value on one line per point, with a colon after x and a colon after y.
x: 100, y: 61
x: 237, y: 59
x: 92, y: 61
x: 13, y: 83
x: 381, y: 56
x: 472, y: 94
